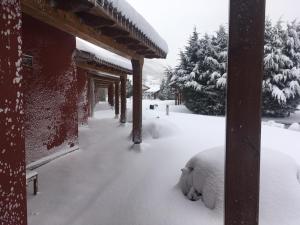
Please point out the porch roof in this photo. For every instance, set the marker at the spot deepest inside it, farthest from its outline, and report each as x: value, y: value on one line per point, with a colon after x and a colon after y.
x: 112, y: 24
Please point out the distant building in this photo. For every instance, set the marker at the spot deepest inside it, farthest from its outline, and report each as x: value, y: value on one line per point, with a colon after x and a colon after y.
x: 152, y: 92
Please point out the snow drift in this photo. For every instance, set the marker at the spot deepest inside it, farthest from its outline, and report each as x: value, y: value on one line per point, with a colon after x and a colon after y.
x: 203, y: 178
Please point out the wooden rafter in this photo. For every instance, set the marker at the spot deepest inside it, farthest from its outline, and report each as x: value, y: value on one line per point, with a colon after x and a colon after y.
x: 100, y: 24
x: 94, y: 68
x: 71, y: 23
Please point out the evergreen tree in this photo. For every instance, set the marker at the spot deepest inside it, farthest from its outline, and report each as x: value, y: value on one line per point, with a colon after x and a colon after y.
x: 204, y: 90
x: 201, y: 74
x: 281, y: 90
x: 128, y: 88
x: 166, y: 92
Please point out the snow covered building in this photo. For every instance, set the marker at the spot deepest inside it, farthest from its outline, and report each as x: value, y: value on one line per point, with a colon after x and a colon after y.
x: 152, y: 92
x: 48, y: 87
x: 49, y: 70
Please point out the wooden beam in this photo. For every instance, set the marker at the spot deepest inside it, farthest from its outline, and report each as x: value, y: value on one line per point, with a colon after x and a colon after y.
x: 123, y: 99
x: 113, y: 32
x: 243, y: 131
x: 137, y: 67
x: 71, y: 23
x: 117, y: 98
x: 92, y: 67
x: 95, y: 21
x: 73, y: 6
x: 105, y: 78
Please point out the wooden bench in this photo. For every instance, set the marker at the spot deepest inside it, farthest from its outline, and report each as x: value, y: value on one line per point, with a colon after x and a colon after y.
x: 32, y: 176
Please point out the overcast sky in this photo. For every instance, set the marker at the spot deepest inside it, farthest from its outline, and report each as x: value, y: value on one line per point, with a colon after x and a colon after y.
x: 174, y: 19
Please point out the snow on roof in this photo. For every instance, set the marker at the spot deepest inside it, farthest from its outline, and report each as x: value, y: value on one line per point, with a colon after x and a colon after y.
x: 139, y: 21
x: 153, y: 89
x: 103, y: 54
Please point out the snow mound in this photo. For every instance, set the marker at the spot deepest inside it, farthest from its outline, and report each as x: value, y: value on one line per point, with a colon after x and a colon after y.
x: 294, y: 126
x: 272, y: 123
x: 203, y: 178
x: 157, y: 129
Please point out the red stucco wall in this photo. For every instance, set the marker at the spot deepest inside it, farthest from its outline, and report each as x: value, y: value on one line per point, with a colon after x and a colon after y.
x: 50, y: 90
x: 12, y: 146
x: 83, y: 102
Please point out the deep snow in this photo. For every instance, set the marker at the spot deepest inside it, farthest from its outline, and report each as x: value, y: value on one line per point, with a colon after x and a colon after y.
x: 111, y: 182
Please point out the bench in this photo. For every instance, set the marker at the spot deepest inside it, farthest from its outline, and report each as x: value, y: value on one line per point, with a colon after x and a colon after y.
x: 32, y: 176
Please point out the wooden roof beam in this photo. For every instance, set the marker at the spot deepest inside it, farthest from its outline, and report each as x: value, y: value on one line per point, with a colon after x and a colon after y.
x: 71, y: 23
x: 113, y: 32
x: 104, y: 69
x: 95, y: 21
x: 126, y: 40
x: 72, y: 6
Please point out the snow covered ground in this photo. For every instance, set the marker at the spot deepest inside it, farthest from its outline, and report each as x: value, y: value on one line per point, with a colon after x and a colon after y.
x: 111, y: 182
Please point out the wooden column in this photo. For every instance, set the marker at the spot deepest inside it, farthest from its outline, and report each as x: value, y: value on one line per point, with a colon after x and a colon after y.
x: 117, y: 99
x: 243, y: 131
x: 137, y: 67
x: 111, y: 95
x: 12, y: 144
x: 123, y: 99
x: 92, y: 96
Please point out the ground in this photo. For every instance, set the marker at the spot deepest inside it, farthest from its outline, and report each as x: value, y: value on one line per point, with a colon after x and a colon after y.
x: 109, y: 181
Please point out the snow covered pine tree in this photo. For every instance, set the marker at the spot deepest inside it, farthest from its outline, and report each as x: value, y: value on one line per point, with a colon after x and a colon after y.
x: 201, y: 73
x: 281, y: 89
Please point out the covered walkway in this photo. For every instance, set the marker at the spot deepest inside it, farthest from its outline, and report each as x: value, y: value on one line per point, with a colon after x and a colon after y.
x: 116, y: 183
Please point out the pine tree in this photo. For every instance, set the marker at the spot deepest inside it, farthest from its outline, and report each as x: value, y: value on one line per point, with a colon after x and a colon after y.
x: 166, y: 92
x: 128, y: 88
x: 281, y: 90
x: 204, y: 91
x: 201, y: 74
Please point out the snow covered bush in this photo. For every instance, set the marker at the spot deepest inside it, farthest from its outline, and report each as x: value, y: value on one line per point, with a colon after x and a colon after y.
x: 158, y: 128
x: 202, y: 72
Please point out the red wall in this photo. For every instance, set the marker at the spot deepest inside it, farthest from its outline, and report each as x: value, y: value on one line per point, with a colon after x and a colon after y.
x: 83, y: 102
x: 12, y: 146
x: 50, y: 89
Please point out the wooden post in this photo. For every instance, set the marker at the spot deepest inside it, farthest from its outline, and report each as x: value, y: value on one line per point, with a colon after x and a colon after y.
x: 243, y: 131
x: 12, y: 145
x: 111, y: 95
x: 123, y: 99
x: 117, y: 99
x: 92, y: 96
x: 137, y: 68
x: 167, y: 110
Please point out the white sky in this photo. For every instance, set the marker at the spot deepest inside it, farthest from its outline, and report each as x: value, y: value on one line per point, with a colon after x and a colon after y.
x: 174, y: 19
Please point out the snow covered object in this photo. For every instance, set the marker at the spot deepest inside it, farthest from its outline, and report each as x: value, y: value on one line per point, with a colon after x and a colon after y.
x: 203, y: 178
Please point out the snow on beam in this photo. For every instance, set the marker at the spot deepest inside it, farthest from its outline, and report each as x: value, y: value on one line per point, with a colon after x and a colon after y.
x: 121, y: 8
x: 70, y: 22
x: 100, y: 22
x: 88, y: 53
x: 243, y: 132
